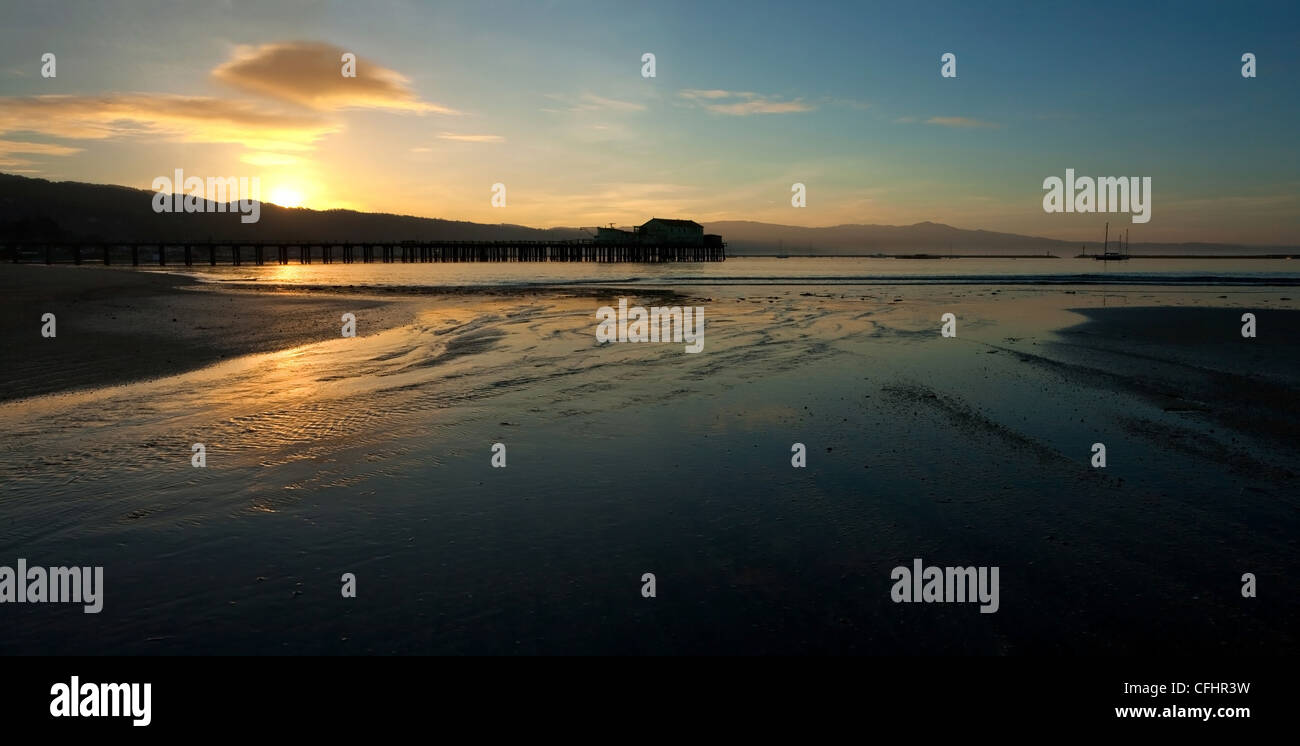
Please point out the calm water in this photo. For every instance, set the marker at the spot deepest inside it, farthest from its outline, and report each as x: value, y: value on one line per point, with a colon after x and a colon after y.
x: 770, y: 270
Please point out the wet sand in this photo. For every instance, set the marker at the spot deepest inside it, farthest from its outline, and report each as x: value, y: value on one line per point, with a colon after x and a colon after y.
x: 372, y: 456
x: 115, y: 326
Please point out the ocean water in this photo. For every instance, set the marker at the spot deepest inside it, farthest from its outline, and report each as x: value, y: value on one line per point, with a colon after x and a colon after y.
x: 770, y: 270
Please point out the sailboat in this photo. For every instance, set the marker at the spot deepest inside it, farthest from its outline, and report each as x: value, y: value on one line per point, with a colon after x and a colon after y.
x: 1111, y: 256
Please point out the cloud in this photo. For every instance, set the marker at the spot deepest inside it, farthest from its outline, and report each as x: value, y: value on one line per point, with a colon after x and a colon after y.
x: 35, y: 148
x: 600, y: 102
x: 178, y: 118
x: 745, y: 108
x: 695, y: 93
x: 470, y: 138
x: 743, y: 103
x: 310, y: 74
x: 959, y: 122
x: 9, y: 147
x: 592, y: 102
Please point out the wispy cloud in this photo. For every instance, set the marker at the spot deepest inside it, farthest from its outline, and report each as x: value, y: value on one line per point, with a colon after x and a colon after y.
x: 35, y: 148
x: 470, y: 138
x: 960, y: 122
x: 592, y: 102
x: 742, y: 103
x: 713, y: 93
x: 10, y: 147
x: 600, y: 102
x: 310, y: 74
x: 195, y: 119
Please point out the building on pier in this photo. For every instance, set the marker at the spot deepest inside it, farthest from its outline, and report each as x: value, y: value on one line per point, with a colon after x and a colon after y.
x: 615, y: 235
x: 660, y: 232
x: 672, y: 232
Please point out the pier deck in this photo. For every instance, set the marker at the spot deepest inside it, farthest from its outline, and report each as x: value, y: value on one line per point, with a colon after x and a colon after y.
x: 189, y: 253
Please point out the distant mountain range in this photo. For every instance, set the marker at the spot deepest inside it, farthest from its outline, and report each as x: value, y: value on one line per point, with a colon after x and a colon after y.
x: 747, y: 237
x: 39, y: 210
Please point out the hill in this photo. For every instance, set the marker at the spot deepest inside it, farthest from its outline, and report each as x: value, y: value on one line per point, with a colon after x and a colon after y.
x: 38, y: 210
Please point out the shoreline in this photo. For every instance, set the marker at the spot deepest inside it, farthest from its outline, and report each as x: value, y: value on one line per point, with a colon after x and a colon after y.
x: 117, y: 326
x: 114, y: 327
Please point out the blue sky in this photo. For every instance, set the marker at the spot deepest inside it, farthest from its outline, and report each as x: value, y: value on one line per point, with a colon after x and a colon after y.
x: 748, y: 98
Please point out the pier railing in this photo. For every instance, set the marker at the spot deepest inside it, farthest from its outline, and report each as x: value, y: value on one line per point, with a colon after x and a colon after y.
x: 189, y: 253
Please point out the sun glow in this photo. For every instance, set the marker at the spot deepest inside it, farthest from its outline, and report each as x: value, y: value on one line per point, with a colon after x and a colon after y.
x: 285, y: 195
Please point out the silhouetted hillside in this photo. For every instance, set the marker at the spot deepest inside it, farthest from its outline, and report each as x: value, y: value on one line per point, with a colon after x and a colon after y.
x: 37, y: 209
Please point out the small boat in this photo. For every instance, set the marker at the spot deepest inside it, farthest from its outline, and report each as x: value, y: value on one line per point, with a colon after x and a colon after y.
x: 1111, y: 256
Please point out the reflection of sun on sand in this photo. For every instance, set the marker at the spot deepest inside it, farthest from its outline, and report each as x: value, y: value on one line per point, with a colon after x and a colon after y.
x: 122, y: 325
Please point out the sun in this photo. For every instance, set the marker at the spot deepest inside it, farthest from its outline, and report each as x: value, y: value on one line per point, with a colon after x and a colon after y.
x: 285, y: 195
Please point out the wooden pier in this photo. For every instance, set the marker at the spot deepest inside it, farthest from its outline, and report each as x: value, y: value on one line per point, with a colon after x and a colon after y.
x: 189, y: 253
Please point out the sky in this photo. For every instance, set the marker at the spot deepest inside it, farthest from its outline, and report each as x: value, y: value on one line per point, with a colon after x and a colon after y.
x: 748, y: 98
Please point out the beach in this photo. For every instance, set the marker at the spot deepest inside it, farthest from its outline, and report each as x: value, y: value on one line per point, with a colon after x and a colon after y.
x: 120, y: 325
x: 373, y: 456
